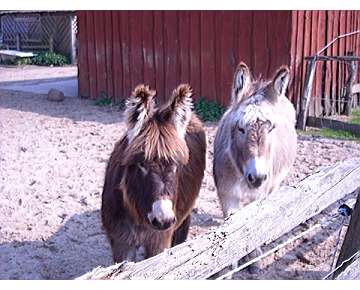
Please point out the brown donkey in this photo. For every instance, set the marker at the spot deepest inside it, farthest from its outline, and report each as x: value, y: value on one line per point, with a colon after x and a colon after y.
x: 154, y: 176
x: 255, y: 145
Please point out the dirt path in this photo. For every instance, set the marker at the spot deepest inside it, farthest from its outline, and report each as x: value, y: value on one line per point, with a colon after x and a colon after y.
x: 52, y: 162
x: 15, y: 73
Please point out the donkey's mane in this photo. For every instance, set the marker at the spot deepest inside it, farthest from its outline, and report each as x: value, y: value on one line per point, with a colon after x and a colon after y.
x: 159, y: 141
x: 252, y: 107
x: 257, y: 87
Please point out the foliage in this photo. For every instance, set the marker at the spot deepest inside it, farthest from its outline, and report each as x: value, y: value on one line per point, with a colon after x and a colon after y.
x: 208, y: 110
x: 50, y: 58
x: 355, y: 116
x: 23, y: 61
x: 103, y: 102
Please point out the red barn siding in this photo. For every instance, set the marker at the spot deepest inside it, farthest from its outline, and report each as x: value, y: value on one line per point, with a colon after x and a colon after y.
x: 119, y: 49
x: 314, y: 29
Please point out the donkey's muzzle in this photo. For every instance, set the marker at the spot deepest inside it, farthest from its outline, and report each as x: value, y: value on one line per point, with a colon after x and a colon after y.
x: 162, y: 215
x: 162, y: 225
x: 256, y: 180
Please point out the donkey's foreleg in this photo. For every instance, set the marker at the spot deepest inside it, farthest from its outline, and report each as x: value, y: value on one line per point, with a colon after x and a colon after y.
x: 181, y: 232
x: 230, y: 203
x: 123, y: 251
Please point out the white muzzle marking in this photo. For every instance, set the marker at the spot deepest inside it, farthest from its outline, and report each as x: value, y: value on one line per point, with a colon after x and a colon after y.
x: 255, y: 166
x: 162, y: 210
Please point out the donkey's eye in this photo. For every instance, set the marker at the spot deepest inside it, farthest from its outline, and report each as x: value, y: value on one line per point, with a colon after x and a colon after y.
x: 242, y: 130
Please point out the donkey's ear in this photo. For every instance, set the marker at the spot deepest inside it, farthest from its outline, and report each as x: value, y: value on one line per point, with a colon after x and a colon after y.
x: 242, y: 79
x: 281, y: 80
x: 178, y: 110
x: 139, y: 108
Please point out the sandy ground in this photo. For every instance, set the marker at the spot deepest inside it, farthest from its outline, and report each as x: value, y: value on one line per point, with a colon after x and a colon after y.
x: 52, y: 163
x: 14, y: 73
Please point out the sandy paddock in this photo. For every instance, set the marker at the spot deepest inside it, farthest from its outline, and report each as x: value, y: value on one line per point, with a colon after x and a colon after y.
x: 52, y: 163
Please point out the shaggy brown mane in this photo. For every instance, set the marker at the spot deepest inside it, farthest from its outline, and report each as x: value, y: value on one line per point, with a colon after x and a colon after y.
x: 158, y: 142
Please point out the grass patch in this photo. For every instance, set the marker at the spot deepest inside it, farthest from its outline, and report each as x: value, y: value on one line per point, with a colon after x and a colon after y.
x: 208, y: 111
x: 355, y: 116
x: 103, y: 102
x: 329, y: 133
x: 107, y: 102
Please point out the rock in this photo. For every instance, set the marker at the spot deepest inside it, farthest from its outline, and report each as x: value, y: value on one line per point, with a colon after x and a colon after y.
x: 55, y: 95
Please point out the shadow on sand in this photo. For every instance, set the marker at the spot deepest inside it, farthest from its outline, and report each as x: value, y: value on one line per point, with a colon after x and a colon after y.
x: 79, y: 246
x: 76, y: 248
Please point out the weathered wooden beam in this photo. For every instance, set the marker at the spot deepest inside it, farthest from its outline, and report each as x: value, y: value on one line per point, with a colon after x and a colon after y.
x: 334, y: 58
x: 352, y: 272
x: 351, y: 242
x: 51, y: 43
x: 18, y: 44
x: 351, y: 68
x: 305, y: 99
x: 260, y: 222
x: 333, y: 124
x: 72, y: 23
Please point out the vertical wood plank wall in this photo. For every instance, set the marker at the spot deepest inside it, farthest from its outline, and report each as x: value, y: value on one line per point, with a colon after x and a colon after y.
x: 311, y: 31
x: 120, y: 49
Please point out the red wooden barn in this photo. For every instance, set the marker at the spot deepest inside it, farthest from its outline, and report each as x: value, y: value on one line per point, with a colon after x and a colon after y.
x: 119, y: 49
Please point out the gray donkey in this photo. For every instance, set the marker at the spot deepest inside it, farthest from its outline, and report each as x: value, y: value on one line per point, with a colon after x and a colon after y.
x: 255, y: 144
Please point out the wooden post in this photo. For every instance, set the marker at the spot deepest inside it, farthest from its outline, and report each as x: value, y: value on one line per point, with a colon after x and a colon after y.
x: 18, y: 47
x: 73, y: 39
x: 51, y: 43
x: 351, y: 242
x: 351, y: 68
x: 305, y: 100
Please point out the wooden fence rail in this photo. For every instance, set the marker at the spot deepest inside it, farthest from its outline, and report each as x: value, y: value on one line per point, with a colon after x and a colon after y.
x: 259, y: 223
x: 352, y: 272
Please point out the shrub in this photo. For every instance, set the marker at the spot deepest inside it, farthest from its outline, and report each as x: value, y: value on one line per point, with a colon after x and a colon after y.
x: 208, y: 110
x: 50, y: 58
x: 102, y: 102
x: 23, y: 61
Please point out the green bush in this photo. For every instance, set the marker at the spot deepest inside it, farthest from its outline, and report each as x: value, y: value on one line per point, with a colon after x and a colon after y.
x: 50, y: 58
x: 103, y: 102
x: 23, y: 61
x: 208, y: 110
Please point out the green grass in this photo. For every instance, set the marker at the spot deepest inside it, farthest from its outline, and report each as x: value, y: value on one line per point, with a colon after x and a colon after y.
x: 105, y: 101
x: 102, y: 102
x: 355, y: 116
x: 208, y: 111
x: 329, y: 133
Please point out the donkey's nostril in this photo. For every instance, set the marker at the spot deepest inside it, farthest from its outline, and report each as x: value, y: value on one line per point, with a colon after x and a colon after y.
x: 155, y: 222
x: 162, y: 225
